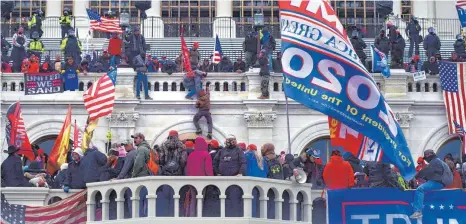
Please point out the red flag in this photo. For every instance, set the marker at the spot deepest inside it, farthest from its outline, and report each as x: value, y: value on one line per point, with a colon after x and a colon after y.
x: 184, y: 49
x: 16, y: 132
x: 60, y: 148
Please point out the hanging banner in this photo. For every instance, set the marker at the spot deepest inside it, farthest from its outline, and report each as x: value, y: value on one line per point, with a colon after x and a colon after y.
x: 460, y: 9
x: 419, y: 76
x: 391, y: 205
x: 43, y: 83
x: 323, y: 72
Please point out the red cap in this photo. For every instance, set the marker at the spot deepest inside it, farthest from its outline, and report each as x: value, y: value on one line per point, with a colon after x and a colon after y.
x: 201, y: 92
x: 196, y: 44
x: 173, y: 133
x: 189, y: 144
x: 282, y: 153
x: 252, y: 147
x: 214, y: 144
x: 242, y: 145
x: 420, y: 160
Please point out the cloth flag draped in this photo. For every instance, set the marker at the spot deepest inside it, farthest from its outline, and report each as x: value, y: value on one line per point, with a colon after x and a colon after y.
x: 452, y: 79
x: 185, y: 51
x: 218, y: 54
x: 100, y: 98
x: 354, y: 142
x: 88, y: 133
x: 379, y: 62
x: 103, y: 24
x: 15, y: 131
x: 77, y: 138
x: 322, y: 71
x: 71, y: 210
x: 60, y: 147
x: 461, y: 10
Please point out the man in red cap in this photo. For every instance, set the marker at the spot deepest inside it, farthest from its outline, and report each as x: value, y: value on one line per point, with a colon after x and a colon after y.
x: 203, y: 104
x: 242, y: 146
x: 194, y: 56
x: 173, y: 155
x: 189, y: 145
x: 213, y: 148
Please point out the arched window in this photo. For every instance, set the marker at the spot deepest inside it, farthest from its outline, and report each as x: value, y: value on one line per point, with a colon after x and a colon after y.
x: 89, y: 84
x: 149, y: 86
x: 217, y: 86
x: 235, y: 86
x: 182, y: 87
x: 13, y: 86
x: 81, y: 86
x: 452, y: 146
x: 243, y: 86
x: 275, y: 86
x: 46, y: 143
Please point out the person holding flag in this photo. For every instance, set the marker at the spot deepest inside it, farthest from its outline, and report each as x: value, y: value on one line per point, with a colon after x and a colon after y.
x: 60, y: 147
x: 218, y: 54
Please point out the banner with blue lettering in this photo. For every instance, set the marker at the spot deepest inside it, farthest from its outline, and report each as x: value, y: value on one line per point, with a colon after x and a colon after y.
x: 322, y: 71
x: 391, y: 205
x: 461, y: 15
x: 379, y: 62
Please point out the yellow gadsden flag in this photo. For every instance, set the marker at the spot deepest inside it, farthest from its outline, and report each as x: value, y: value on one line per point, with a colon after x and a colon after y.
x: 60, y: 148
x: 88, y: 133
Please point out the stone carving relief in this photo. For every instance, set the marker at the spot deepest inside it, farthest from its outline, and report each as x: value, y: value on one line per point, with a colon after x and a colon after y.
x: 123, y: 119
x: 260, y: 119
x: 403, y: 118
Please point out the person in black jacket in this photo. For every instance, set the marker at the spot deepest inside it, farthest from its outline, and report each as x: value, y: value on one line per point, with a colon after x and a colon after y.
x: 435, y: 175
x: 459, y: 46
x: 60, y: 178
x: 265, y: 75
x: 359, y: 45
x: 225, y: 65
x: 12, y: 170
x: 353, y: 161
x: 113, y: 167
x: 398, y: 49
x: 380, y: 175
x: 432, y: 43
x: 412, y: 32
x: 74, y: 174
x: 431, y: 66
x: 239, y: 66
x: 5, y: 48
x: 308, y: 162
x: 381, y: 42
x: 250, y: 49
x: 92, y: 161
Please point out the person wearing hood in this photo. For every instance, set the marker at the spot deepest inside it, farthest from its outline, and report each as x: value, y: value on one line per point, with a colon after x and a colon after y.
x: 47, y: 66
x: 105, y: 60
x: 169, y: 66
x: 225, y: 65
x: 173, y: 156
x: 338, y: 173
x: 65, y: 22
x: 353, y: 161
x: 437, y: 175
x: 287, y: 170
x: 412, y: 32
x: 382, y: 43
x: 460, y: 46
x: 432, y: 43
x: 140, y: 168
x: 18, y: 53
x: 230, y: 161
x: 193, y: 83
x: 203, y: 105
x: 12, y: 170
x: 34, y: 64
x: 189, y: 147
x: 398, y: 49
x: 275, y: 168
x: 75, y: 173
x: 91, y: 163
x: 137, y: 43
x: 199, y: 162
x: 72, y: 46
x: 256, y: 165
x: 206, y: 66
x: 194, y: 56
x: 35, y: 22
x: 308, y: 162
x: 268, y: 45
x: 113, y: 167
x: 431, y: 66
x: 59, y: 179
x: 380, y: 175
x: 35, y: 47
x: 85, y: 66
x: 359, y: 46
x: 239, y: 66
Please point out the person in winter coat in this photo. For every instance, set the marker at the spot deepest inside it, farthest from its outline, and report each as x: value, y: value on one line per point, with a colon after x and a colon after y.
x: 199, y: 162
x: 169, y: 67
x: 353, y: 161
x: 275, y: 168
x: 92, y: 161
x: 35, y: 23
x: 127, y: 169
x: 398, y: 49
x: 242, y: 147
x: 230, y: 161
x: 203, y: 104
x: 113, y: 167
x: 65, y: 22
x: 454, y: 58
x: 193, y: 83
x: 225, y: 65
x: 256, y: 166
x: 75, y: 173
x: 137, y: 43
x: 12, y: 170
x: 380, y: 175
x: 6, y: 67
x: 18, y: 53
x: 287, y: 170
x: 437, y: 174
x: 359, y: 46
x: 5, y: 48
x: 141, y: 77
x: 412, y: 32
x: 173, y: 156
x: 194, y: 56
x: 59, y: 179
x: 72, y: 46
x: 265, y: 75
x: 70, y: 75
x: 308, y: 162
x: 460, y: 46
x: 431, y: 66
x: 47, y: 66
x: 35, y: 47
x: 392, y: 34
x: 239, y: 66
x: 105, y: 60
x: 25, y: 65
x: 382, y: 43
x: 214, y: 147
x: 432, y: 43
x: 420, y: 165
x: 34, y: 64
x: 140, y: 168
x: 250, y: 49
x: 206, y: 66
x: 189, y: 147
x: 338, y: 174
x: 268, y: 44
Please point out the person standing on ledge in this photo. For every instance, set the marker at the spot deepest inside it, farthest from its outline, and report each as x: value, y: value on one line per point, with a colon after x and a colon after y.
x: 265, y: 75
x: 203, y: 104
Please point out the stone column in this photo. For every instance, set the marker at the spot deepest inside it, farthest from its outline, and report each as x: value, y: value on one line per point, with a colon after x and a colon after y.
x: 200, y: 199
x: 263, y: 207
x: 135, y: 207
x: 396, y: 85
x: 105, y: 211
x: 222, y: 205
x: 293, y: 209
x: 90, y: 210
x: 120, y: 208
x: 403, y: 119
x: 278, y: 208
x: 151, y: 204
x: 259, y: 118
x: 247, y: 209
x: 307, y: 212
x: 176, y: 198
x: 81, y: 18
x: 254, y: 84
x: 51, y: 26
x: 224, y: 25
x: 152, y: 27
x: 124, y: 88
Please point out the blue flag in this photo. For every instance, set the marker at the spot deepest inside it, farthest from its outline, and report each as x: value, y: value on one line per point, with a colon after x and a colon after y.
x: 322, y: 71
x: 461, y: 15
x: 391, y: 205
x: 379, y: 62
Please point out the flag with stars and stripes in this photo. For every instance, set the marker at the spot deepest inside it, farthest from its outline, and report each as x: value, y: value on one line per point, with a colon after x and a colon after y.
x: 460, y: 131
x: 103, y: 24
x: 452, y: 79
x: 100, y: 98
x: 71, y: 210
x: 218, y: 54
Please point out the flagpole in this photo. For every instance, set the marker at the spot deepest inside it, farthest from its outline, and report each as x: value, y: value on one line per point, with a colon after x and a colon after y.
x: 288, y: 124
x: 461, y: 149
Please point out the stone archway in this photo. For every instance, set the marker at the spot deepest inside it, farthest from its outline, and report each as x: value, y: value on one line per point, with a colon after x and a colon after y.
x: 46, y: 127
x: 315, y: 130
x: 187, y: 129
x: 434, y: 140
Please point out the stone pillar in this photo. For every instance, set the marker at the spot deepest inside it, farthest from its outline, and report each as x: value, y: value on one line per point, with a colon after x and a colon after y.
x: 124, y: 88
x: 247, y: 209
x: 90, y: 210
x: 120, y: 208
x: 176, y: 198
x: 153, y: 26
x: 81, y: 18
x: 278, y: 208
x: 151, y: 204
x: 105, y: 210
x: 254, y: 84
x: 51, y: 26
x: 122, y: 124
x: 397, y: 8
x: 224, y: 25
x: 307, y: 212
x: 222, y: 205
x: 135, y: 209
x: 403, y: 119
x: 259, y: 118
x: 396, y: 85
x: 263, y: 207
x: 199, y: 197
x: 293, y: 208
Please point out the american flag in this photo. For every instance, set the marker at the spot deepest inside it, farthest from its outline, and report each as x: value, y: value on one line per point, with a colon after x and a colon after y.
x: 460, y: 131
x: 461, y: 3
x: 452, y: 78
x: 100, y: 98
x: 217, y: 51
x: 103, y: 24
x: 71, y: 210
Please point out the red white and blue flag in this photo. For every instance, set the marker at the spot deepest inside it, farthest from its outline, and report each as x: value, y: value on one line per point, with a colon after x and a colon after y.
x: 15, y: 131
x: 100, y: 98
x: 103, y: 24
x: 452, y: 79
x: 218, y: 54
x: 323, y: 72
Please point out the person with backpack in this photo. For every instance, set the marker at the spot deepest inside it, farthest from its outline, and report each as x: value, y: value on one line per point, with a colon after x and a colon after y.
x: 275, y: 168
x: 173, y: 156
x: 256, y: 166
x: 437, y: 174
x: 140, y: 168
x: 113, y: 166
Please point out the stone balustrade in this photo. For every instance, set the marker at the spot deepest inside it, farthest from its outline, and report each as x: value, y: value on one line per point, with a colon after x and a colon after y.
x: 34, y: 196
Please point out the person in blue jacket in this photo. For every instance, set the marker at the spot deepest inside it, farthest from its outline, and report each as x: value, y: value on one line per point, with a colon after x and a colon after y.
x: 70, y: 75
x: 92, y: 161
x: 193, y: 83
x: 256, y: 166
x: 12, y: 170
x: 74, y: 174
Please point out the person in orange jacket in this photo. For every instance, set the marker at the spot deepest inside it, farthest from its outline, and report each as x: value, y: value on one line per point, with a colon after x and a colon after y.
x: 338, y: 173
x: 34, y: 65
